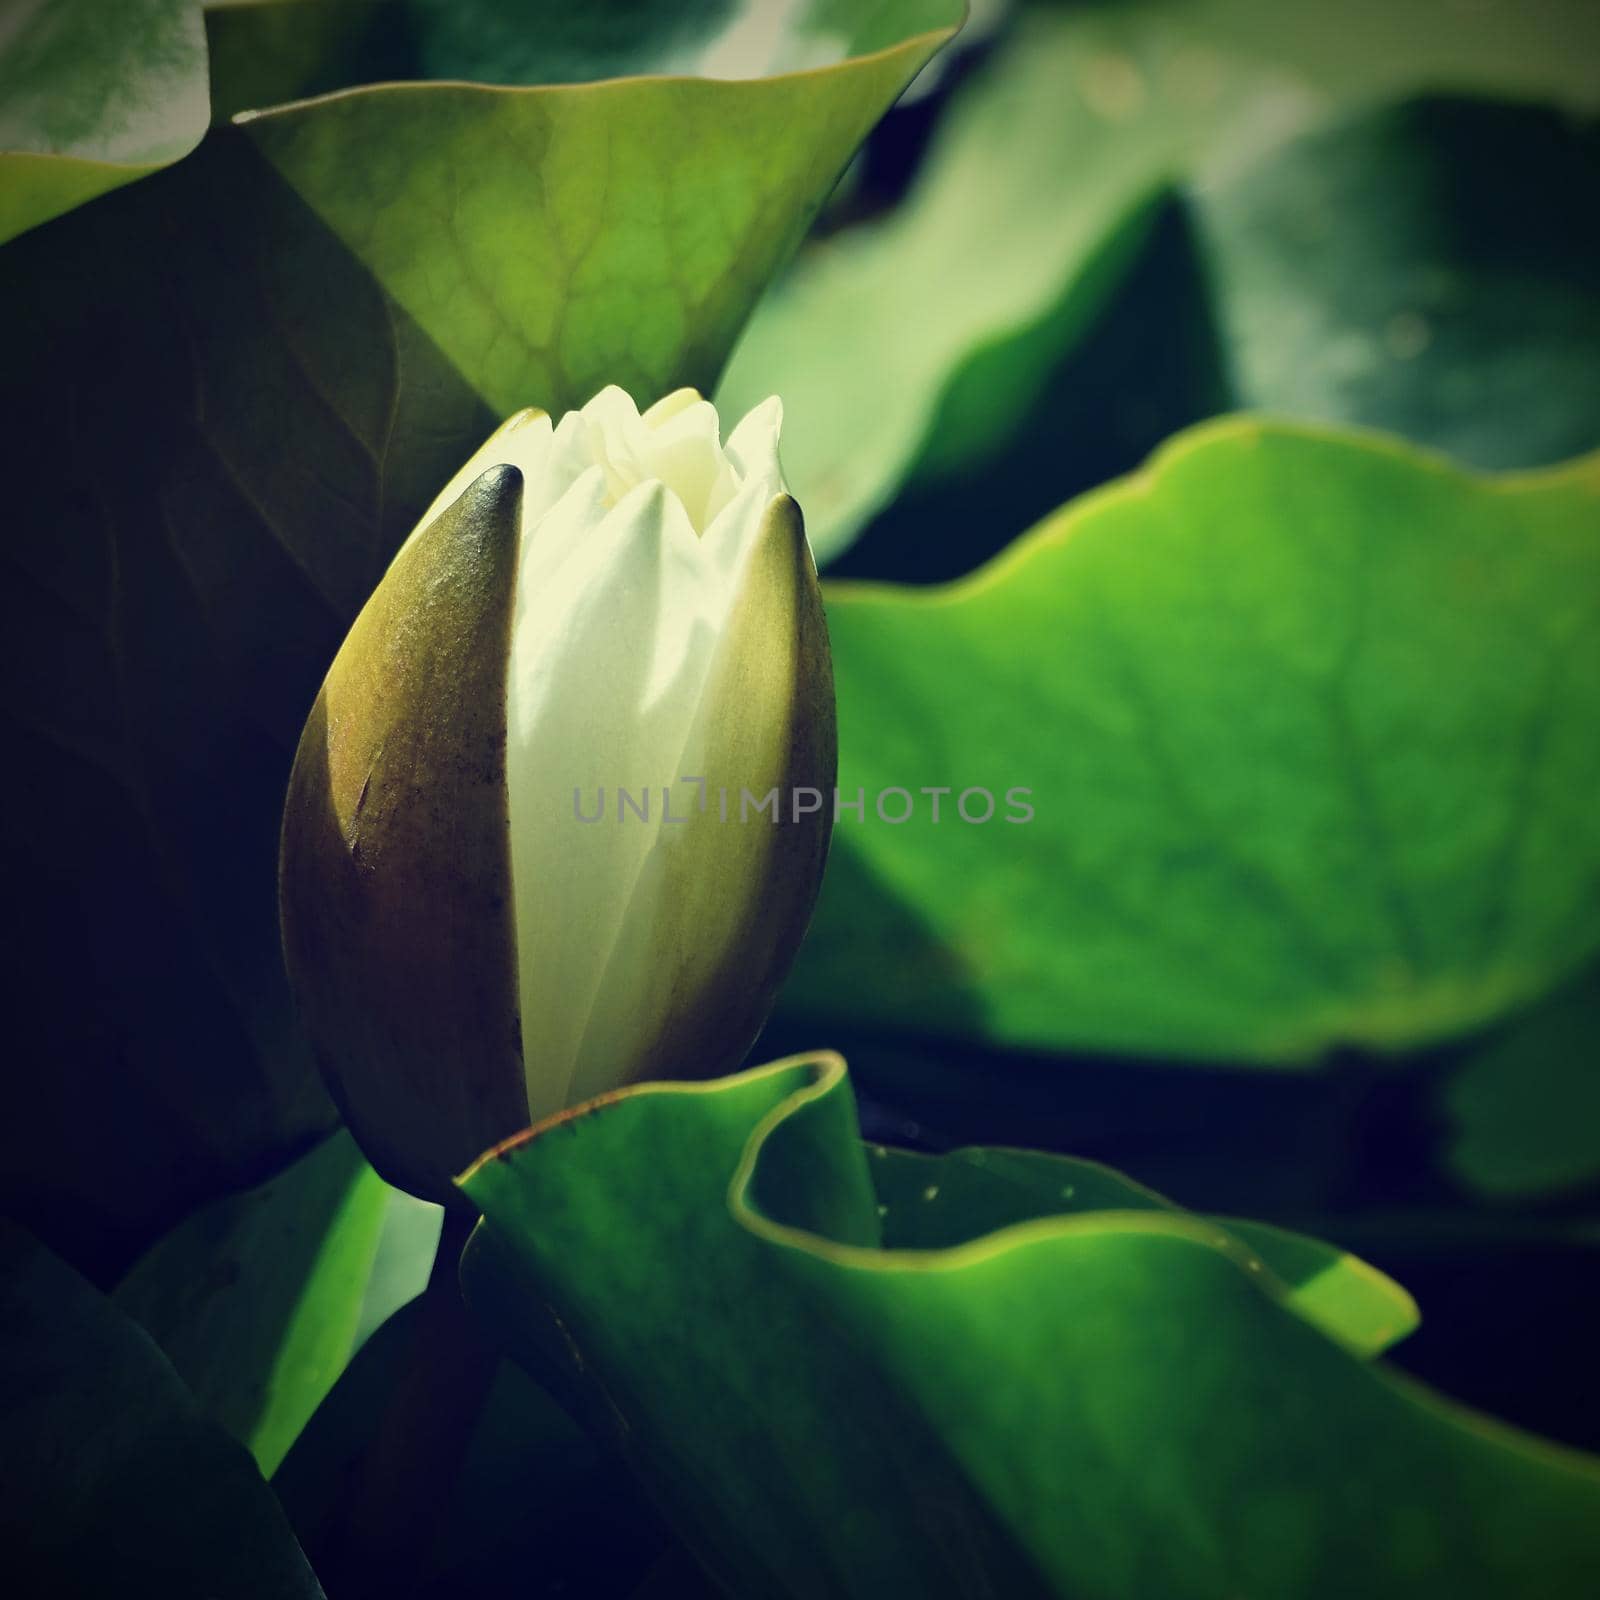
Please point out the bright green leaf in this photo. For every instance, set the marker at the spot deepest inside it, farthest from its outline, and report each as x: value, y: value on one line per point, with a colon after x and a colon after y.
x: 1351, y: 1301
x: 94, y: 93
x: 237, y: 386
x: 260, y: 1299
x: 1118, y: 1403
x: 1307, y: 721
x: 550, y: 240
x: 116, y: 1481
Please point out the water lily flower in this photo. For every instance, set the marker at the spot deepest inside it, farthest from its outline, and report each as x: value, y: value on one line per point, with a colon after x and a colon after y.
x: 557, y: 819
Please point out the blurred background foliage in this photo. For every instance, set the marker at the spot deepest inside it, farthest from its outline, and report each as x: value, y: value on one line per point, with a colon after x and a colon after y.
x: 1379, y: 216
x: 1089, y: 227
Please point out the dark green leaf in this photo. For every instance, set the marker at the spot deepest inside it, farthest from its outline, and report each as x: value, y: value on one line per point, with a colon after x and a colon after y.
x: 536, y: 1496
x: 1433, y: 270
x: 532, y: 1496
x: 937, y: 1202
x: 116, y: 1481
x: 265, y: 52
x: 1525, y: 1105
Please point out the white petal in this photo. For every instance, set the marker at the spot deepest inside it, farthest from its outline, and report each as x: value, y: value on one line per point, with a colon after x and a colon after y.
x: 668, y: 406
x: 685, y: 453
x: 566, y: 461
x: 753, y: 445
x: 610, y: 652
x: 637, y: 530
x: 728, y: 539
x: 694, y: 904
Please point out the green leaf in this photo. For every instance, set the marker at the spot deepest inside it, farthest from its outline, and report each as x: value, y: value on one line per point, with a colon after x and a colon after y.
x: 264, y: 52
x: 1524, y: 1107
x: 616, y: 233
x: 239, y: 384
x: 1060, y: 147
x: 1030, y: 203
x: 1119, y: 1403
x: 938, y: 1202
x: 117, y: 1482
x: 1306, y: 721
x: 1356, y: 277
x: 93, y: 95
x: 261, y: 1299
x: 1368, y: 50
x: 1349, y: 275
x: 533, y: 1496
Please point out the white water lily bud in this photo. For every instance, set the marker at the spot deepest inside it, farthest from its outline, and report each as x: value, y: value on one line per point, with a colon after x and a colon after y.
x: 531, y: 848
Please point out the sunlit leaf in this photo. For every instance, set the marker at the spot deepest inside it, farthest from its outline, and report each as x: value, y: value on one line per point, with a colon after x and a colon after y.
x: 259, y: 1300
x: 1035, y: 194
x: 1306, y: 725
x: 552, y: 240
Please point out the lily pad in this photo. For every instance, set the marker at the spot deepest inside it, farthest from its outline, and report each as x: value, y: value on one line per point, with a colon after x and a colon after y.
x: 939, y: 1202
x: 93, y: 96
x: 239, y: 384
x: 1357, y: 276
x: 1524, y: 1106
x: 532, y: 1495
x: 117, y: 1482
x: 267, y: 52
x: 1118, y: 1403
x: 1431, y: 268
x: 1305, y: 721
x: 1030, y: 205
x: 261, y: 1299
x: 1458, y: 240
x: 552, y: 239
